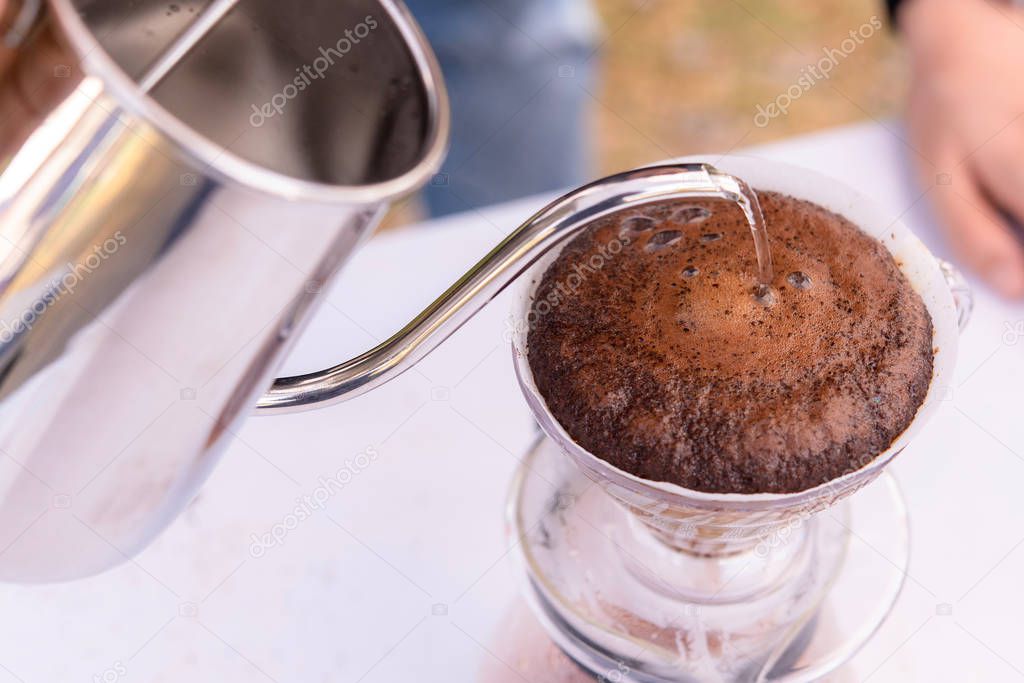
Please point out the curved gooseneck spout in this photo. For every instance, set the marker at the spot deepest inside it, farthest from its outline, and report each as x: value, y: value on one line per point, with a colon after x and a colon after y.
x: 554, y: 224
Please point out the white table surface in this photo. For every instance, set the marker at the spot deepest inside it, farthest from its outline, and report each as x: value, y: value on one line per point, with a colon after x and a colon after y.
x: 351, y: 592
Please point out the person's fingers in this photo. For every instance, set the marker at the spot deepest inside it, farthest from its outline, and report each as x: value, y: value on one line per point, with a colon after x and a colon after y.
x: 40, y: 77
x: 16, y: 120
x: 8, y: 16
x: 999, y: 166
x: 43, y: 73
x: 979, y: 233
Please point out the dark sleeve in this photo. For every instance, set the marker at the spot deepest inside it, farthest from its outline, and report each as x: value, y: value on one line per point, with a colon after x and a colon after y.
x: 893, y: 6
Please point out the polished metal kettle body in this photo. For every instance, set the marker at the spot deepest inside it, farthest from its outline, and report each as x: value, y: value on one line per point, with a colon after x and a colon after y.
x: 165, y: 227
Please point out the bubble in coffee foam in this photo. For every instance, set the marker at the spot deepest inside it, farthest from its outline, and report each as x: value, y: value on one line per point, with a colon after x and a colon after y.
x: 764, y: 295
x: 690, y: 272
x: 692, y: 214
x: 663, y: 239
x: 639, y: 224
x: 710, y: 237
x: 799, y: 280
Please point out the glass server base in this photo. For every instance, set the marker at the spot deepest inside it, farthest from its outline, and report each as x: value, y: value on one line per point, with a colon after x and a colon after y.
x: 627, y: 607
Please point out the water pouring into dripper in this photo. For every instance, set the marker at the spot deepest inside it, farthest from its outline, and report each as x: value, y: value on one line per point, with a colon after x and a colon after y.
x: 746, y: 199
x: 744, y: 196
x: 751, y: 208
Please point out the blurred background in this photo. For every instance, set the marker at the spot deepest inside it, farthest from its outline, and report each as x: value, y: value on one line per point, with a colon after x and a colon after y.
x: 675, y: 77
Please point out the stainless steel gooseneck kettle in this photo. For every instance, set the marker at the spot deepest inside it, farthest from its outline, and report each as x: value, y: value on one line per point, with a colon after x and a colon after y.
x: 177, y: 184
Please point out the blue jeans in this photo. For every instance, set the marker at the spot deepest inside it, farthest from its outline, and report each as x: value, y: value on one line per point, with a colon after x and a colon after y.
x: 515, y: 72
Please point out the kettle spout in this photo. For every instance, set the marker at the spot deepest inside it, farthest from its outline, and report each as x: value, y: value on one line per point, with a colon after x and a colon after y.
x: 552, y: 226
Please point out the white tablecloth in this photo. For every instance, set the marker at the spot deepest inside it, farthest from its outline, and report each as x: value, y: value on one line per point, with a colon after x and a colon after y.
x: 405, y: 573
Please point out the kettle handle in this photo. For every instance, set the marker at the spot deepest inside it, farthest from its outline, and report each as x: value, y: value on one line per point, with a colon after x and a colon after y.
x: 554, y: 224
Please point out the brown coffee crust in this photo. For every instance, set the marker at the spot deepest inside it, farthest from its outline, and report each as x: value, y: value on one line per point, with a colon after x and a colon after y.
x: 690, y: 380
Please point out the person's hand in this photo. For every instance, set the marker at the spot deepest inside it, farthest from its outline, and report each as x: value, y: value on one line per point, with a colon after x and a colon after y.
x: 35, y: 74
x: 966, y: 119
